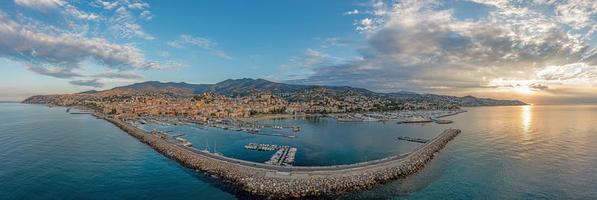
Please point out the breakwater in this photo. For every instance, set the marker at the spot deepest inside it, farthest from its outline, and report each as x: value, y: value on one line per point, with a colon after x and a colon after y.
x: 293, y: 181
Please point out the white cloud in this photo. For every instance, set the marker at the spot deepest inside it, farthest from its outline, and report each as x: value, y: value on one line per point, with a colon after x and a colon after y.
x: 138, y: 5
x: 60, y: 52
x: 574, y: 72
x: 422, y: 45
x: 313, y: 57
x: 185, y: 40
x: 63, y: 6
x: 352, y: 12
x: 334, y: 42
x: 41, y: 4
x: 124, y: 24
x: 107, y: 4
x: 146, y: 14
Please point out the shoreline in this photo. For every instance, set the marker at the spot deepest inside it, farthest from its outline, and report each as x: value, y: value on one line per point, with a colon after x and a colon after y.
x: 293, y: 181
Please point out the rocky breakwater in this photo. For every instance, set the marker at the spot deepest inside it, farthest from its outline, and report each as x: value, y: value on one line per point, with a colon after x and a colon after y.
x: 295, y: 181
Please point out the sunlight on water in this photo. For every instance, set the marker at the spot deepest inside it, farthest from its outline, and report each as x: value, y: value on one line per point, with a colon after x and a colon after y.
x: 527, y: 119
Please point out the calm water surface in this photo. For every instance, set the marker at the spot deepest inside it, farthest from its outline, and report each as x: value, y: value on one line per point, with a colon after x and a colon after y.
x: 524, y: 152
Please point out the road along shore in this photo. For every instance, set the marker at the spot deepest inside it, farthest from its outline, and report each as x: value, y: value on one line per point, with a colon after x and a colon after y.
x: 293, y: 181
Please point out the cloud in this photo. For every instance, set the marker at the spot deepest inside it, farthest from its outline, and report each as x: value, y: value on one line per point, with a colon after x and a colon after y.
x: 138, y: 5
x: 30, y: 45
x: 352, y: 12
x: 40, y: 4
x: 166, y: 65
x: 301, y: 67
x: 146, y: 14
x: 89, y: 83
x: 54, y: 72
x: 574, y: 71
x: 185, y: 41
x: 222, y: 54
x: 334, y: 42
x: 107, y: 5
x: 309, y: 60
x: 422, y: 45
x: 313, y: 57
x: 73, y: 11
x: 119, y: 75
x: 124, y: 24
x: 538, y: 86
x: 163, y: 53
x: 64, y: 6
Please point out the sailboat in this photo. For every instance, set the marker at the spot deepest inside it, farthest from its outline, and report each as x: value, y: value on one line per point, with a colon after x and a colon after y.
x: 206, y: 150
x: 216, y: 150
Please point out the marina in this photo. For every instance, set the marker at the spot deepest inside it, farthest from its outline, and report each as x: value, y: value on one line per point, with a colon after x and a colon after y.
x: 423, y: 116
x: 280, y: 180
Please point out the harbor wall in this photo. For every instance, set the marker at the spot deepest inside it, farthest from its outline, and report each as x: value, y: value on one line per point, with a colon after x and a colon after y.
x: 295, y: 181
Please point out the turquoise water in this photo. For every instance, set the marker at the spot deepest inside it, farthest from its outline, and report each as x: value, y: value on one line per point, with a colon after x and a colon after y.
x: 321, y: 141
x: 525, y: 152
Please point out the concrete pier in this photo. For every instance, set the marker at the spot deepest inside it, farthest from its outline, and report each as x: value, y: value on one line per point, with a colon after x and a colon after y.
x: 294, y: 181
x: 411, y: 139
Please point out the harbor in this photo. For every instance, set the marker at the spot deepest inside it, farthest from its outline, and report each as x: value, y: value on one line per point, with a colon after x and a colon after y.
x: 401, y: 117
x: 286, y: 131
x: 284, y: 155
x: 281, y: 181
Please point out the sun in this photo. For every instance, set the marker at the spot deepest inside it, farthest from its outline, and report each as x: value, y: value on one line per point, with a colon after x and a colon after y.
x: 523, y: 89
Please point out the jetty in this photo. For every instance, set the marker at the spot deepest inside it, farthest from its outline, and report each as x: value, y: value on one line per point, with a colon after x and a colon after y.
x: 411, y: 139
x: 280, y: 181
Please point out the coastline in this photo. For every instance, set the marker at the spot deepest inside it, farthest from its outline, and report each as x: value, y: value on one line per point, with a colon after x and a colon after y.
x: 297, y: 181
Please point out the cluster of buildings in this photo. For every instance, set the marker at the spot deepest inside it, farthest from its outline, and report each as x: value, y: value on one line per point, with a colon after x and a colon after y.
x: 215, y: 106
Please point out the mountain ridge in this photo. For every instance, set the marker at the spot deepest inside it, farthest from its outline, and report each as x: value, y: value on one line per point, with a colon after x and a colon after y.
x: 249, y: 86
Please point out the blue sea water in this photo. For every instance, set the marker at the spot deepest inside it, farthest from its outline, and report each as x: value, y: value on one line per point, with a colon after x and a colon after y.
x: 521, y: 152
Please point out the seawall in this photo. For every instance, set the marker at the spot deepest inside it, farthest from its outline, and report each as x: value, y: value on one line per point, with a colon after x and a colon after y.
x: 294, y: 181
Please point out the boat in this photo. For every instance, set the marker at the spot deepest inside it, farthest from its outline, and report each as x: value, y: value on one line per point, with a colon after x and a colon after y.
x: 184, y: 142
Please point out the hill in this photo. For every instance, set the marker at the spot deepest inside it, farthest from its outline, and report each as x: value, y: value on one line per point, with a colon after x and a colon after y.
x: 297, y: 93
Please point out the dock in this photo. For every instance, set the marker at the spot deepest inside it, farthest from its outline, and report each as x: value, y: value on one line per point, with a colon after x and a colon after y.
x: 411, y: 139
x: 262, y: 147
x: 293, y: 128
x: 284, y: 156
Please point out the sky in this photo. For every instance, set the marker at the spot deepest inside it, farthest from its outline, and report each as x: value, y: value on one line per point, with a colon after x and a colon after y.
x: 538, y: 51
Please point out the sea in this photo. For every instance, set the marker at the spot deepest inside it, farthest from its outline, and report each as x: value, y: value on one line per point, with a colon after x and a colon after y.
x: 508, y: 152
